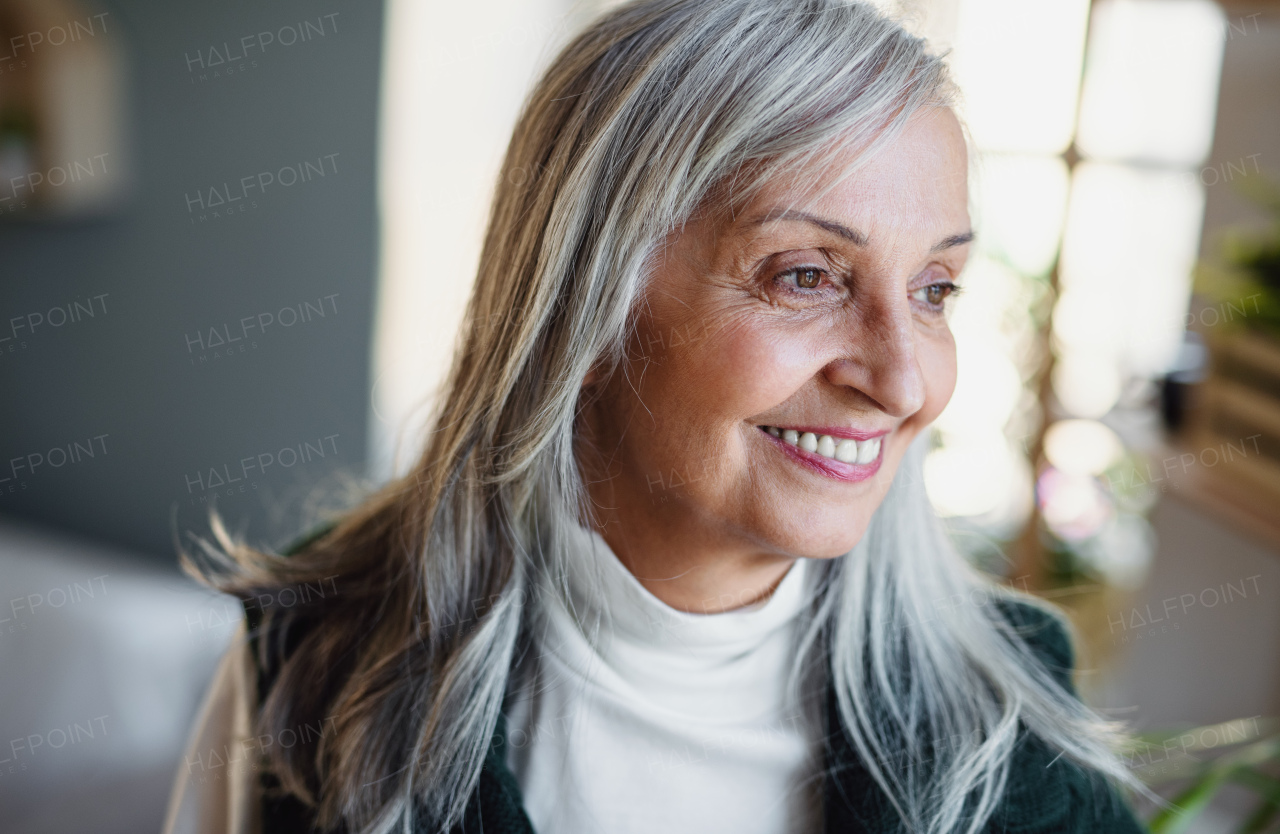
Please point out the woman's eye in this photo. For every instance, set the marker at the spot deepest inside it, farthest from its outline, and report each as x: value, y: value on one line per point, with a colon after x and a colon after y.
x: 935, y: 294
x: 805, y: 277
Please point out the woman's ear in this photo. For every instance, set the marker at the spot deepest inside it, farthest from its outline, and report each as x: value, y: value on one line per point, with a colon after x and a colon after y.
x: 595, y: 375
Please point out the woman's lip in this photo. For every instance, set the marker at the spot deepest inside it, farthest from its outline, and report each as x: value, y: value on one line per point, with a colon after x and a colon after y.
x: 848, y: 472
x: 835, y: 431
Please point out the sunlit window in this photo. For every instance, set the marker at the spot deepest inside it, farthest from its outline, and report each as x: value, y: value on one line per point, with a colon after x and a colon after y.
x: 449, y: 107
x: 1151, y: 87
x: 1018, y: 65
x: 1131, y: 241
x: 1088, y: 215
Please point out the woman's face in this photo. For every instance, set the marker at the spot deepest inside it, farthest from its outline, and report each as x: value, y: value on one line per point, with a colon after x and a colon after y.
x: 785, y: 359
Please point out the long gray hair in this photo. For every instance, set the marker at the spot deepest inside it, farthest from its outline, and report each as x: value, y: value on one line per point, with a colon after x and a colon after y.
x: 660, y: 107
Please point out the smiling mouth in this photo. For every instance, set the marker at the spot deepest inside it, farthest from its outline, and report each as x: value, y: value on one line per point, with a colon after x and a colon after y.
x: 843, y: 458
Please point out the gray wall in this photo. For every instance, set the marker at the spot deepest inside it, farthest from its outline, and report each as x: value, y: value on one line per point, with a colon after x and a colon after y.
x: 1247, y: 133
x: 156, y: 276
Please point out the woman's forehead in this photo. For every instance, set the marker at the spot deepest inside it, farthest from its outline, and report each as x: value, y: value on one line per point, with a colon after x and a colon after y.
x: 919, y: 177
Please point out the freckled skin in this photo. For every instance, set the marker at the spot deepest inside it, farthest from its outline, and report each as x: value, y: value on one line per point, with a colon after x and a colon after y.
x: 694, y: 498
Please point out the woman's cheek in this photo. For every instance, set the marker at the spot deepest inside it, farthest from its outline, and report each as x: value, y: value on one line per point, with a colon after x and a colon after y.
x: 755, y: 366
x: 937, y: 358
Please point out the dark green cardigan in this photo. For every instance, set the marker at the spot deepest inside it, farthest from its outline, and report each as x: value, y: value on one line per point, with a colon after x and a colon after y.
x: 1044, y: 793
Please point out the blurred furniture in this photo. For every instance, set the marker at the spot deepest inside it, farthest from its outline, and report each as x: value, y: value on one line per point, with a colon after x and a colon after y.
x: 1234, y: 430
x: 103, y: 662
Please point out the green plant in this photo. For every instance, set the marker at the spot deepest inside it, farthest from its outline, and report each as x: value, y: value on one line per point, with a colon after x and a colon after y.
x: 1250, y: 262
x: 1196, y: 764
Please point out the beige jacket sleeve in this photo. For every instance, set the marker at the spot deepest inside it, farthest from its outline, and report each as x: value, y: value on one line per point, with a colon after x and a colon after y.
x: 215, y: 789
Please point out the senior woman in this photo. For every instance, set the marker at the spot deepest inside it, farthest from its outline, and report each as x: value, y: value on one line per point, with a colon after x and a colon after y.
x: 666, y: 564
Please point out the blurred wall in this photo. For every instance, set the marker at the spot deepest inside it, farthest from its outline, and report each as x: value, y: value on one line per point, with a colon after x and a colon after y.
x: 1246, y: 138
x: 220, y: 346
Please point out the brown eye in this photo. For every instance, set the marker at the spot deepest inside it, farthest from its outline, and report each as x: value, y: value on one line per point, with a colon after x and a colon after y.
x: 807, y: 278
x: 804, y: 283
x: 935, y: 294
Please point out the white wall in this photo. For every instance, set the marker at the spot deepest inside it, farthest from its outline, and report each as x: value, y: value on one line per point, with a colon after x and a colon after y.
x: 455, y: 75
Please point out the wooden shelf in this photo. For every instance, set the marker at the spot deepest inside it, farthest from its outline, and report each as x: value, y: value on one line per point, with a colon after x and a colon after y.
x: 1232, y: 502
x: 1234, y: 438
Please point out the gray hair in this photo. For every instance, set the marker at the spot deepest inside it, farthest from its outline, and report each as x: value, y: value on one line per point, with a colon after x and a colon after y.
x: 660, y: 107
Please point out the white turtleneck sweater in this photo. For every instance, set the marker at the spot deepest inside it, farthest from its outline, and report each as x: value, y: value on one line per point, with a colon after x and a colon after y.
x: 663, y: 721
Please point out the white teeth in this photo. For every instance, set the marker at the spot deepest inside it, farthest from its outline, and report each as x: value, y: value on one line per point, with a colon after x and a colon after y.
x: 826, y: 446
x: 845, y: 451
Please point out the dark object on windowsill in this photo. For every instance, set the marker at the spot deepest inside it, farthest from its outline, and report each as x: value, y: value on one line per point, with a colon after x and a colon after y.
x: 1176, y: 385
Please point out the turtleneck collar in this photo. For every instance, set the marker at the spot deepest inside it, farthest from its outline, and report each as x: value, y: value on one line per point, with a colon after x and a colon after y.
x: 716, y: 667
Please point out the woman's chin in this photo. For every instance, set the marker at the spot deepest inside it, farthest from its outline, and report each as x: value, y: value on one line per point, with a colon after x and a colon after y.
x: 827, y: 540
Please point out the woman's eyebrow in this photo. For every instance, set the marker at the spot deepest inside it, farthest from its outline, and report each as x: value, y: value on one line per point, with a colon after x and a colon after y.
x: 854, y: 236
x: 955, y: 240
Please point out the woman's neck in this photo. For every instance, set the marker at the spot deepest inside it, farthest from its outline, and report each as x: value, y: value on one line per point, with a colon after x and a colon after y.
x: 692, y: 574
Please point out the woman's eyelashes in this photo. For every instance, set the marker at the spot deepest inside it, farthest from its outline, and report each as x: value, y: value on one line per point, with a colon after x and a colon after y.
x: 933, y: 297
x: 803, y: 283
x: 802, y: 278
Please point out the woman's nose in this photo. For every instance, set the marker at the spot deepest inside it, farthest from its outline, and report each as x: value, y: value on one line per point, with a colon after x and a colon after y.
x: 879, y: 357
